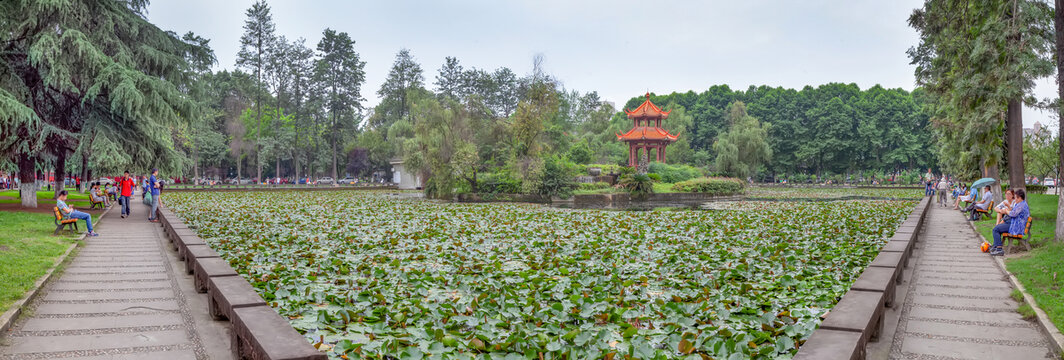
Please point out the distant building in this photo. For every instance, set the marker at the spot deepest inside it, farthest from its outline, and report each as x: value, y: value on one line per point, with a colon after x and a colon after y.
x: 1038, y: 130
x: 404, y: 179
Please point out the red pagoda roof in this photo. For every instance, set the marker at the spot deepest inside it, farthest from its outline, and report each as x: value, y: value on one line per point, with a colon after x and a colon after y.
x: 647, y: 133
x: 647, y: 110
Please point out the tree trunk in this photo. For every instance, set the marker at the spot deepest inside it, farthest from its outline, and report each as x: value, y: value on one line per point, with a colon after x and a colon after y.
x: 1014, y: 138
x: 238, y: 173
x: 28, y: 177
x: 60, y: 172
x: 1058, y: 21
x: 994, y: 172
x: 334, y: 160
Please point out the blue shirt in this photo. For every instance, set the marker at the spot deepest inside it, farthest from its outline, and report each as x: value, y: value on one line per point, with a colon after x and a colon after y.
x: 1019, y: 214
x: 154, y: 188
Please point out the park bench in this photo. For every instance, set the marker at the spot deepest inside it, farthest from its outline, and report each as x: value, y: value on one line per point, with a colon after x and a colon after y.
x: 982, y: 212
x: 1022, y: 238
x: 71, y: 224
x: 95, y: 203
x: 260, y: 333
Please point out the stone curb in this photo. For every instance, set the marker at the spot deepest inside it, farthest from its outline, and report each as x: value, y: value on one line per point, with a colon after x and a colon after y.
x: 861, y: 316
x: 1044, y: 323
x: 265, y: 334
x: 8, y: 318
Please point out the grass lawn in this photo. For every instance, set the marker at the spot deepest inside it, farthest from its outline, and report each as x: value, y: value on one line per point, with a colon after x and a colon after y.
x: 27, y: 250
x: 1040, y: 271
x: 47, y: 195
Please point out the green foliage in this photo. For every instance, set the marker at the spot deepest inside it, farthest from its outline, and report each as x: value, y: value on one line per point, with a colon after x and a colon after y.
x: 975, y: 58
x: 499, y: 183
x: 639, y: 185
x: 742, y: 150
x: 715, y: 186
x: 428, y: 272
x: 556, y: 178
x: 580, y: 152
x: 673, y: 173
x: 1036, y: 189
x: 594, y: 186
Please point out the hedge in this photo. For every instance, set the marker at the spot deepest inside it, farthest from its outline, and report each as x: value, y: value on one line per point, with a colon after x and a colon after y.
x: 714, y: 185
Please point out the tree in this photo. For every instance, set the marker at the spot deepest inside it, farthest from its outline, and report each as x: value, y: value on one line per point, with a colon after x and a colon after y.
x: 124, y: 88
x: 339, y: 75
x: 1040, y: 155
x: 980, y: 59
x: 255, y: 46
x: 745, y: 147
x: 1058, y: 24
x: 404, y: 76
x: 450, y: 81
x: 302, y: 71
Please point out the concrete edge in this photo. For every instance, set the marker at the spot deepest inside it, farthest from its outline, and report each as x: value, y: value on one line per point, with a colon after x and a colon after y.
x: 920, y: 210
x: 1043, y: 321
x: 278, y: 188
x: 9, y: 317
x: 238, y: 334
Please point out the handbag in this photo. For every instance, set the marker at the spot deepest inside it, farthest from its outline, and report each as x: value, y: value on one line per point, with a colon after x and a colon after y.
x: 147, y: 198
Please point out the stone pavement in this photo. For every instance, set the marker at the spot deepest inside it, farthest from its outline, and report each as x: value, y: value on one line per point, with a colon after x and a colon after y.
x: 957, y: 302
x: 123, y: 296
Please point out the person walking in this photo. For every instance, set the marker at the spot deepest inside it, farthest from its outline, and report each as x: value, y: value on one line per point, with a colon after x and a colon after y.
x: 125, y: 187
x: 153, y: 185
x: 69, y: 212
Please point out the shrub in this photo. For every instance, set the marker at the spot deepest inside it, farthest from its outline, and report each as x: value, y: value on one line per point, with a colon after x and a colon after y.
x: 498, y: 183
x: 675, y: 173
x: 715, y: 186
x: 1037, y: 189
x: 594, y: 186
x: 557, y: 177
x: 655, y: 177
x: 638, y: 185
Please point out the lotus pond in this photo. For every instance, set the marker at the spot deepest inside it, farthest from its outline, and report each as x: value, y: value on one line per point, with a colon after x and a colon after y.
x: 371, y: 275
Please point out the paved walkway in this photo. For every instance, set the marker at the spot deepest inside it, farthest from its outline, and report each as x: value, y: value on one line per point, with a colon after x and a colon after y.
x: 957, y: 304
x: 123, y: 296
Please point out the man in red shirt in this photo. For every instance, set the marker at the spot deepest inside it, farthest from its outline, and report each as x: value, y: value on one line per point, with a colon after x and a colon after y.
x: 125, y: 185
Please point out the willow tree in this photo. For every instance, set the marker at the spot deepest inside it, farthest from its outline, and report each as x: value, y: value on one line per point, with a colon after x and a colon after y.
x: 76, y: 73
x: 980, y: 59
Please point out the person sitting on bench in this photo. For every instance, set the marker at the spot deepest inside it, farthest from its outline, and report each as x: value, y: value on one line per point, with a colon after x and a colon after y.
x: 965, y: 195
x: 1003, y: 208
x: 984, y: 201
x: 97, y: 195
x: 69, y: 212
x: 1015, y: 221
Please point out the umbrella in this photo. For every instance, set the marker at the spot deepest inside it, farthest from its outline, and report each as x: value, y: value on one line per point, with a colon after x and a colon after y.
x: 978, y: 184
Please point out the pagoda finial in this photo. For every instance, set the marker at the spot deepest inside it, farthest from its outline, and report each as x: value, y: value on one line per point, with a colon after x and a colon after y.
x: 648, y: 95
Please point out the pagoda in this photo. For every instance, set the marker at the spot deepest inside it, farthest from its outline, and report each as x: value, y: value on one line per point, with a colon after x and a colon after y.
x: 646, y: 133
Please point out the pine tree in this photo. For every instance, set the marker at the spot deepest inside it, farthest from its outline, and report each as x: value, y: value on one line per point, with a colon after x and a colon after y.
x: 404, y: 76
x: 339, y: 75
x: 123, y: 93
x: 255, y: 46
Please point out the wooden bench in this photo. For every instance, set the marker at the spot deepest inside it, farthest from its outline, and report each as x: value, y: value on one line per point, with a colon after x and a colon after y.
x: 1022, y: 238
x: 95, y: 203
x: 982, y: 212
x: 71, y: 224
x: 260, y: 333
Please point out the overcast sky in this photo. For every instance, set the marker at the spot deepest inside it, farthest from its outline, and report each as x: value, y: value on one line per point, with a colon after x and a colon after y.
x: 620, y: 48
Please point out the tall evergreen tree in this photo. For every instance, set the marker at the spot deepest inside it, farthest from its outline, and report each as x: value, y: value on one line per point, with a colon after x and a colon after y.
x: 124, y: 88
x: 405, y: 75
x: 450, y: 80
x: 339, y: 74
x: 980, y: 59
x: 255, y: 46
x: 1058, y: 25
x: 302, y: 69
